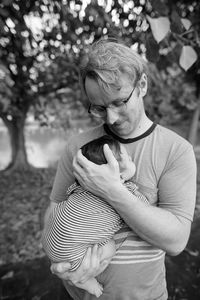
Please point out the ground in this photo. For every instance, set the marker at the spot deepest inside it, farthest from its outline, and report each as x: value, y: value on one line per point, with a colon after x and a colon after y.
x: 24, y: 270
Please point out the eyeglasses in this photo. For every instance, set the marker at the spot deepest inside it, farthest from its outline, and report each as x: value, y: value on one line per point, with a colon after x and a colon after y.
x: 100, y: 111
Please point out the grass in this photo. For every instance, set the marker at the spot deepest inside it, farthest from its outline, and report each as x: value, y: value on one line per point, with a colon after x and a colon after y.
x: 24, y: 198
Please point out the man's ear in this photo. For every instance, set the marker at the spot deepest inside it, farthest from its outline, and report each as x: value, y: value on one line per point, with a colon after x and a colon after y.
x: 143, y: 85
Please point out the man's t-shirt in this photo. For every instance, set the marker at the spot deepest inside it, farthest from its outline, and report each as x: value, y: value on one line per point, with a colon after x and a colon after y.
x: 166, y: 175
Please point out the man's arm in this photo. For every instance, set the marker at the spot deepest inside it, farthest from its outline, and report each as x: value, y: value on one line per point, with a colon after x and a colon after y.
x: 155, y: 225
x: 158, y: 226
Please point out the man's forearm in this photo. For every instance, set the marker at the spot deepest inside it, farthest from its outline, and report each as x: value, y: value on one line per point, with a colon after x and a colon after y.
x: 157, y: 226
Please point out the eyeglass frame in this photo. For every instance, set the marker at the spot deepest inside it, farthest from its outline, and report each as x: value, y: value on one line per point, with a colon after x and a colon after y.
x: 111, y: 105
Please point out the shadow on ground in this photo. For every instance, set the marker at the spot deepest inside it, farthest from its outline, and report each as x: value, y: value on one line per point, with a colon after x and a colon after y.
x: 24, y: 196
x: 33, y: 280
x: 30, y: 281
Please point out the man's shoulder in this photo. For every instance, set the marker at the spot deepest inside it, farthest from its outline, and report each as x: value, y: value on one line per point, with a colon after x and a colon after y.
x: 171, y: 137
x: 173, y: 146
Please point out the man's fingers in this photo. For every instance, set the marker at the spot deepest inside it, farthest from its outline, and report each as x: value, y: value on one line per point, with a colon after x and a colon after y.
x: 86, y: 260
x: 109, y: 156
x: 100, y: 252
x: 94, y: 257
x: 81, y: 160
x: 75, y: 163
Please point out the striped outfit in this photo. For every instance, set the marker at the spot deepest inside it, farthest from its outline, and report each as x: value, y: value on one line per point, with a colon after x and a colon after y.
x: 132, y: 249
x: 81, y: 221
x: 166, y: 175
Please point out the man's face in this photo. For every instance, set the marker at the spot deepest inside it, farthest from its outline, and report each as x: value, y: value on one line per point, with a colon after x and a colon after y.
x: 123, y: 122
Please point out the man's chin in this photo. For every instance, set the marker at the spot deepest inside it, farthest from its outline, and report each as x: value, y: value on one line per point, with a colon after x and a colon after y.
x: 118, y: 129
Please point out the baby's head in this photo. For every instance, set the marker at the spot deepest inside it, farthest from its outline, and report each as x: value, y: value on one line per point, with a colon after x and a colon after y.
x: 93, y: 151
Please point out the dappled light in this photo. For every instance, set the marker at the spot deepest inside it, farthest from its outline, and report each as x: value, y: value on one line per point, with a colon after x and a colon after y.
x: 42, y: 103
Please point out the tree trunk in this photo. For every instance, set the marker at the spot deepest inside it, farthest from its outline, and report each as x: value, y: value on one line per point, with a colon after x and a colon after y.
x: 17, y: 142
x: 193, y: 130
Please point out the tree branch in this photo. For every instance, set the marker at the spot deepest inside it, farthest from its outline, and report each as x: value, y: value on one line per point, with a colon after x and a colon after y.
x: 184, y: 40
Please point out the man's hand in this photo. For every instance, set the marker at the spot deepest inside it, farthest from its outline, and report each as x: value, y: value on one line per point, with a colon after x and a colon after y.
x: 127, y: 166
x: 98, y: 179
x: 88, y: 268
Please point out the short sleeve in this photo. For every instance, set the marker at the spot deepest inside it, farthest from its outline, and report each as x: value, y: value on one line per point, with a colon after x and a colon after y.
x: 177, y: 184
x: 64, y: 176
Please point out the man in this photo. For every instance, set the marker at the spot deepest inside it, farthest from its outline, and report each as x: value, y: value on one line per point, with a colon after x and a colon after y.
x: 115, y: 81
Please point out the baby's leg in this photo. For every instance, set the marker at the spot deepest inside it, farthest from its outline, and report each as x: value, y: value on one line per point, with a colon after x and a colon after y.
x: 109, y: 250
x: 92, y: 286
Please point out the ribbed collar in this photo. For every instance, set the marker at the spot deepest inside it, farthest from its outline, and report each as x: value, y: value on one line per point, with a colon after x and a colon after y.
x: 130, y: 140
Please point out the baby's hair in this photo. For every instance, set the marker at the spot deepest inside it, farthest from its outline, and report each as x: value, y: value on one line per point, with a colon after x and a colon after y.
x: 93, y: 150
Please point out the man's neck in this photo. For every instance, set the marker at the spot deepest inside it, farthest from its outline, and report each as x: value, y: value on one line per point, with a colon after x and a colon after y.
x: 142, y: 127
x: 141, y: 132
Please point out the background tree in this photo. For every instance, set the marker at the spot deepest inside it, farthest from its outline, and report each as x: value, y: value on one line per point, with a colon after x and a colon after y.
x: 174, y: 48
x: 30, y: 71
x: 42, y: 42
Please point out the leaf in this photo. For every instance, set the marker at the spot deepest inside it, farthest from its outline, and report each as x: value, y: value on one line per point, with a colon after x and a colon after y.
x: 9, y: 274
x: 188, y: 57
x: 2, y: 30
x: 4, y: 13
x: 174, y: 55
x: 152, y: 49
x: 186, y: 23
x: 3, y: 69
x: 160, y: 7
x: 176, y: 24
x: 7, y: 2
x: 163, y: 62
x: 191, y: 252
x: 159, y: 27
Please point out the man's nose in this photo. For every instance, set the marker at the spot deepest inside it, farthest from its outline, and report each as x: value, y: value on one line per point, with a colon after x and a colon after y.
x: 112, y: 116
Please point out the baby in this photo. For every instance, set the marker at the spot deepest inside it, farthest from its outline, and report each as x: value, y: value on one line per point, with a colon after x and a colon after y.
x: 84, y: 219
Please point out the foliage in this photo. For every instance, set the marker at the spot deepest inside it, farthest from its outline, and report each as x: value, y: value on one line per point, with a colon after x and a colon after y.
x: 25, y: 198
x: 28, y: 59
x: 42, y: 42
x: 171, y: 99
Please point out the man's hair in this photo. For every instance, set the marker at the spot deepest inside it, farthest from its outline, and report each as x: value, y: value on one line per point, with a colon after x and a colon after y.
x: 107, y: 60
x: 94, y: 149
